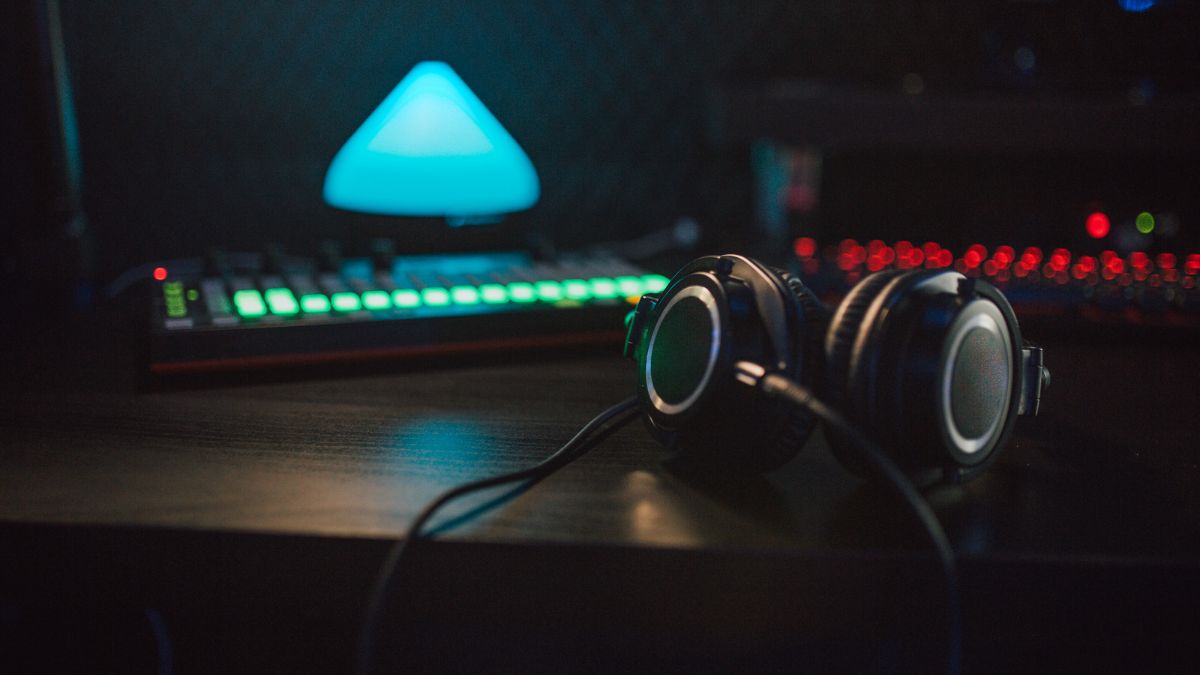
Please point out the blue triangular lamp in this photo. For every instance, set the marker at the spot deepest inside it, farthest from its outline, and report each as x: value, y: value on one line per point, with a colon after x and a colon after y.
x: 432, y: 149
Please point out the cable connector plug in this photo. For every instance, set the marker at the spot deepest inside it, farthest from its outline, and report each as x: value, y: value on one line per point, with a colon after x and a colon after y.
x: 749, y: 373
x: 775, y: 386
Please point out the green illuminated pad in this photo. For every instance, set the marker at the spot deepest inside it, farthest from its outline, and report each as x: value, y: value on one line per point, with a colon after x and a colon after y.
x: 654, y: 282
x: 282, y: 301
x: 520, y: 291
x: 406, y: 298
x: 376, y: 300
x: 435, y: 297
x: 314, y: 303
x: 629, y: 286
x: 173, y: 296
x: 464, y: 295
x: 346, y: 302
x: 602, y: 287
x: 548, y: 290
x: 249, y: 303
x: 576, y: 289
x: 493, y: 294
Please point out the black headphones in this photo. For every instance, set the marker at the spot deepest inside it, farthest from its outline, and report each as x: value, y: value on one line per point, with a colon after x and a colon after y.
x: 928, y: 363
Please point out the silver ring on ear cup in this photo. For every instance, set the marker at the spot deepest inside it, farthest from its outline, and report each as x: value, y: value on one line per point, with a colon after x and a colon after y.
x: 706, y: 298
x: 985, y: 321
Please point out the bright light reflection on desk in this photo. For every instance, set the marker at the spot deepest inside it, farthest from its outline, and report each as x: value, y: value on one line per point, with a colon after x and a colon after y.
x: 449, y: 441
x: 652, y: 516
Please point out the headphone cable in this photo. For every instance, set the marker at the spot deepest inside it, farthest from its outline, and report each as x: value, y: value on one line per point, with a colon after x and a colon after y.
x: 778, y: 386
x: 772, y: 385
x: 573, y: 449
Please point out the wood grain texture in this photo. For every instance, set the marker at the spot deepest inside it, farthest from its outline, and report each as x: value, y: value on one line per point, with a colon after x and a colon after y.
x: 357, y: 456
x: 253, y: 514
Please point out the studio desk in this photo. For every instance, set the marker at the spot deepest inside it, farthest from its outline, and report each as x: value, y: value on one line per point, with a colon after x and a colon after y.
x: 236, y: 526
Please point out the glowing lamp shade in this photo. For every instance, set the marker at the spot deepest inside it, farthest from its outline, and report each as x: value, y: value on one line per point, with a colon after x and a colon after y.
x: 432, y: 149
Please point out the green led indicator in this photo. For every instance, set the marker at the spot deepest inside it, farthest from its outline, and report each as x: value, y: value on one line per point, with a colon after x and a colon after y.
x: 193, y: 295
x: 465, y: 295
x: 1144, y: 222
x: 435, y: 297
x: 654, y: 282
x: 576, y: 289
x: 281, y: 301
x: 406, y: 298
x: 346, y: 302
x: 603, y: 287
x: 493, y: 294
x: 520, y: 291
x: 376, y: 300
x: 314, y: 303
x: 548, y: 291
x: 173, y: 295
x: 629, y: 286
x: 249, y: 303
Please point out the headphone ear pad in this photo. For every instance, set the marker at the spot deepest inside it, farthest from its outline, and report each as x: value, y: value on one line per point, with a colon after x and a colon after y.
x: 843, y: 332
x: 799, y: 424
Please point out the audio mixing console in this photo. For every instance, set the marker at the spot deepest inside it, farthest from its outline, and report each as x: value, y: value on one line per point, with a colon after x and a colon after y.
x: 1131, y: 289
x: 241, y: 311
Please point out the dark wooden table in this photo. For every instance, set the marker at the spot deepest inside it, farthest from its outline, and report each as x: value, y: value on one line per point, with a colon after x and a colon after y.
x: 236, y: 526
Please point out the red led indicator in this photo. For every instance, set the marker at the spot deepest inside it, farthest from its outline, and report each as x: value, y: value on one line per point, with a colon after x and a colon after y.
x: 160, y: 274
x: 1098, y: 225
x: 1032, y: 266
x: 1193, y: 263
x: 1060, y: 259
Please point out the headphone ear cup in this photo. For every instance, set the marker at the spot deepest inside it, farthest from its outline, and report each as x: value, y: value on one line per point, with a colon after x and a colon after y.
x: 767, y: 434
x: 843, y: 332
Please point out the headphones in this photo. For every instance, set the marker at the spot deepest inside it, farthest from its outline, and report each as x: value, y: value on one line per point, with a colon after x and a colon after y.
x: 929, y: 364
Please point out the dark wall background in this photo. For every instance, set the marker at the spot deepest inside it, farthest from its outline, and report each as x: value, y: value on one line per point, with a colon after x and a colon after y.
x: 211, y: 122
